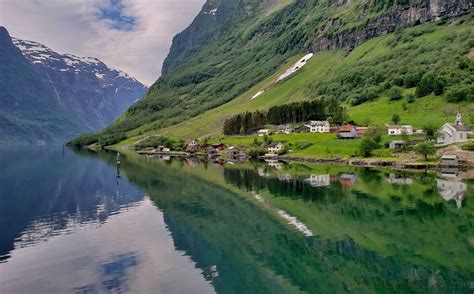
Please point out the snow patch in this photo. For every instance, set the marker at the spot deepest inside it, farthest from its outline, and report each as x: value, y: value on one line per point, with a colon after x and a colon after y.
x: 258, y: 94
x: 99, y: 76
x: 297, y: 66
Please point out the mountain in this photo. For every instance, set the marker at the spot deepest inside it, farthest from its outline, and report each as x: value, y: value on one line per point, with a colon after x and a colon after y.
x: 28, y: 110
x: 49, y: 97
x: 93, y: 92
x: 233, y: 49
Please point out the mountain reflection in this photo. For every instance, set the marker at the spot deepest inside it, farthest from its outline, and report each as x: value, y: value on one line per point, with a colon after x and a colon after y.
x: 285, y: 229
x: 68, y: 193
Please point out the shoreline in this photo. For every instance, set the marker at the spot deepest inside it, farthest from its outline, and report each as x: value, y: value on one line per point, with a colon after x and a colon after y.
x: 355, y: 162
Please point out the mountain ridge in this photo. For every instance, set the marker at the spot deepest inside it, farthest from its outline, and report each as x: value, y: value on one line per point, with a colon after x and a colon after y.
x: 49, y: 98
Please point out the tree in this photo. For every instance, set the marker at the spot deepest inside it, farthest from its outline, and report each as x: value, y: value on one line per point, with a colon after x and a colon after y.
x: 395, y: 118
x: 395, y: 93
x: 425, y: 149
x: 375, y: 133
x: 430, y: 131
x: 405, y: 138
x: 367, y: 145
x: 425, y: 86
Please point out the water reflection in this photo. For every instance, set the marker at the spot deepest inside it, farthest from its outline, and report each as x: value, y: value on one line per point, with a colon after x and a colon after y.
x: 248, y: 228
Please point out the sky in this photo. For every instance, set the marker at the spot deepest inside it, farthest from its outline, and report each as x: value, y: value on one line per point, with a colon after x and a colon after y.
x: 131, y: 35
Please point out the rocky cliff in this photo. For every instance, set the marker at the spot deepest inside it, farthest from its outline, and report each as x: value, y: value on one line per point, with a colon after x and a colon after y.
x: 398, y: 16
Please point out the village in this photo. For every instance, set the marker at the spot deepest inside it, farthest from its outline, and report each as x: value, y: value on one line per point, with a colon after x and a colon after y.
x: 283, y: 142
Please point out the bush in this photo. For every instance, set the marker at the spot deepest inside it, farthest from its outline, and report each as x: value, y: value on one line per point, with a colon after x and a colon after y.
x: 468, y: 146
x: 425, y: 149
x: 367, y: 146
x: 395, y: 93
x: 303, y: 145
x: 410, y: 98
x: 425, y: 86
x: 460, y: 93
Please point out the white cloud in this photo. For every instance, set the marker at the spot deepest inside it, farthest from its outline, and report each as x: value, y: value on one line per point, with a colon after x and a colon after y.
x: 74, y: 26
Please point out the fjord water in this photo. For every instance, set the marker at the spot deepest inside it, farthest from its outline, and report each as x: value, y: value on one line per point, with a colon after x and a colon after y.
x: 71, y: 221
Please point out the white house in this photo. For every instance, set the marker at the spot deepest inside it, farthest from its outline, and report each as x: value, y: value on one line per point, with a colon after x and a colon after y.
x: 317, y: 126
x: 398, y: 130
x: 275, y: 147
x: 453, y: 133
x: 319, y: 180
x: 263, y: 132
x: 285, y: 129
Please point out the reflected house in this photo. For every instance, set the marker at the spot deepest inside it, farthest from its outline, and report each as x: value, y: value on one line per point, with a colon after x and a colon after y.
x: 212, y: 152
x: 397, y: 179
x: 319, y: 180
x: 348, y: 180
x: 274, y: 163
x: 452, y: 190
x: 285, y: 177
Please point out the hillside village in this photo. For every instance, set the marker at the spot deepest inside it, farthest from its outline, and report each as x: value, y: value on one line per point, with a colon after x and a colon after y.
x: 390, y: 142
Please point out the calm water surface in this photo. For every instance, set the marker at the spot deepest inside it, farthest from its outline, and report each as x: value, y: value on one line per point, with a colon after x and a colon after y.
x: 72, y: 222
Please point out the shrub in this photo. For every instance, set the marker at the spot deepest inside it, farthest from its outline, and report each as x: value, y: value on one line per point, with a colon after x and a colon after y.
x: 425, y: 86
x: 410, y: 98
x: 425, y: 149
x: 395, y: 93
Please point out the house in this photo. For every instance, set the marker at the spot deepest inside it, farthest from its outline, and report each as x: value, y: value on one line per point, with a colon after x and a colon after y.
x: 166, y: 149
x: 263, y: 132
x: 219, y: 146
x: 284, y: 129
x: 397, y: 144
x: 317, y: 126
x: 319, y: 180
x: 192, y: 147
x: 361, y: 131
x: 395, y: 130
x: 275, y: 147
x: 449, y: 160
x: 453, y: 133
x: 452, y: 190
x: 347, y: 132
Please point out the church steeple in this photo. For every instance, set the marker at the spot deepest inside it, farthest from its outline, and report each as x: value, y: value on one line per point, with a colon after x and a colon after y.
x: 458, y: 120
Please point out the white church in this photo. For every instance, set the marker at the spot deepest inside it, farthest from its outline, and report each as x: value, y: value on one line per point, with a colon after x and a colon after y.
x: 453, y: 133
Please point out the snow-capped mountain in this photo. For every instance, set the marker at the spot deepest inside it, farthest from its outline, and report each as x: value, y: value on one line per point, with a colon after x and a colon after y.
x: 86, y: 87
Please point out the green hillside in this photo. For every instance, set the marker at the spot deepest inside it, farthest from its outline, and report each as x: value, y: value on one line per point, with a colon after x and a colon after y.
x: 331, y: 65
x: 217, y: 64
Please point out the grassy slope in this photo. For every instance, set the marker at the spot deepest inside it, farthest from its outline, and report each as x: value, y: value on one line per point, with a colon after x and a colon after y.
x: 434, y: 109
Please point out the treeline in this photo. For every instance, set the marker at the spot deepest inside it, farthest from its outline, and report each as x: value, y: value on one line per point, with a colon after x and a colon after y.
x: 296, y: 112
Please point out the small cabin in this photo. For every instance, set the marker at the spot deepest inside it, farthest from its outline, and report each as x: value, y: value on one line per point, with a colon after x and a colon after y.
x: 347, y: 132
x: 395, y: 130
x: 263, y: 132
x: 397, y: 144
x: 449, y: 160
x: 284, y: 129
x: 275, y: 147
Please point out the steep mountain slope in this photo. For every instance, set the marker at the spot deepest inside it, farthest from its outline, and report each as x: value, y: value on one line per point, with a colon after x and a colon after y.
x: 94, y: 93
x: 28, y: 110
x: 233, y: 45
x: 48, y: 98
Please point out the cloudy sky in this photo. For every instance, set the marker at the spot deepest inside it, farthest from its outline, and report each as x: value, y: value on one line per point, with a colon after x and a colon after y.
x: 130, y: 35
